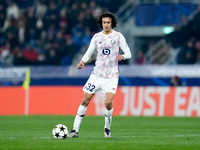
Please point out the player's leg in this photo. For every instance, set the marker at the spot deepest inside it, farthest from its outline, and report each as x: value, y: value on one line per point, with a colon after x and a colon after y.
x: 108, y: 113
x: 91, y: 87
x: 109, y: 87
x: 80, y: 114
x: 82, y: 110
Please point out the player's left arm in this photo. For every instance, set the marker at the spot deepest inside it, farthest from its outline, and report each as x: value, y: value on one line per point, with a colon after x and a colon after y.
x: 125, y: 48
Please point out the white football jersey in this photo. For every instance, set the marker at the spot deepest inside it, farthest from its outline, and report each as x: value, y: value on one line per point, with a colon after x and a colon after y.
x: 108, y: 47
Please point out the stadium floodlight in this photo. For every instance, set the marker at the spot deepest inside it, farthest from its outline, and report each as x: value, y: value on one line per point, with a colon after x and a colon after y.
x: 167, y: 30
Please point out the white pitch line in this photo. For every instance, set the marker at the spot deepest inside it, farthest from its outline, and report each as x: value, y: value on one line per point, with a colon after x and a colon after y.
x: 159, y: 136
x: 43, y: 137
x: 4, y: 138
x: 167, y: 136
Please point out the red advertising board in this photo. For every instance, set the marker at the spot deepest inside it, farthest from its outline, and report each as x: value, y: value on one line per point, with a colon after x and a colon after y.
x: 129, y: 101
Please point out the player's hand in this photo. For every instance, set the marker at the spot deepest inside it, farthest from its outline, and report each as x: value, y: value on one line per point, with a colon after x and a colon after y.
x: 80, y: 65
x: 119, y: 57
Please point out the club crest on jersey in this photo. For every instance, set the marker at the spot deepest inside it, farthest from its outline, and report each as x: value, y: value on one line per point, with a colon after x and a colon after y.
x: 106, y: 51
x: 113, y: 41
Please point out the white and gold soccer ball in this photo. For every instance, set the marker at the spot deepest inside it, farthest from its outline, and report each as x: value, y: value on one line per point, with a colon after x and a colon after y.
x: 60, y: 131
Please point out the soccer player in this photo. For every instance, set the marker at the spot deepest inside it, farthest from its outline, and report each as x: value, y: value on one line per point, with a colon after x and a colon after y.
x: 105, y: 74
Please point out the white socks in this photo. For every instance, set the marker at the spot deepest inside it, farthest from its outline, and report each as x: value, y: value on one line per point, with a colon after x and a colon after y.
x: 80, y: 114
x: 108, y: 118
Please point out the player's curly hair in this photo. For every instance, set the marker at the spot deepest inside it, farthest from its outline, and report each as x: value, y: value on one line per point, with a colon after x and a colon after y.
x: 107, y: 14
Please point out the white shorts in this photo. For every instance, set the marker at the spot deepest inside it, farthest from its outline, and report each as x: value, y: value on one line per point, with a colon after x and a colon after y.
x: 96, y: 84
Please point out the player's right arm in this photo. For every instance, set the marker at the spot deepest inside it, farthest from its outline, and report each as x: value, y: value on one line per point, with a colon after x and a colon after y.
x: 80, y: 65
x: 87, y: 55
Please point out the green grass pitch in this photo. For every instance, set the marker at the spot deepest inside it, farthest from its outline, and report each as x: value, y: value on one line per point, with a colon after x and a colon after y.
x: 128, y: 133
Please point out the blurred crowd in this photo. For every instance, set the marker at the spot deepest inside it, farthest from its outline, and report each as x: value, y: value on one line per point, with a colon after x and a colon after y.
x: 53, y: 32
x: 47, y: 32
x: 186, y: 39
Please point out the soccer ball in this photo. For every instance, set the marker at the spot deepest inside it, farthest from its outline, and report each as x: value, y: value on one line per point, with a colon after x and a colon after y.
x: 60, y: 131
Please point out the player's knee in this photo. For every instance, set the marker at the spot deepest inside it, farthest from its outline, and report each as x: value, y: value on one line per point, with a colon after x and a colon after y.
x: 108, y: 104
x: 85, y: 101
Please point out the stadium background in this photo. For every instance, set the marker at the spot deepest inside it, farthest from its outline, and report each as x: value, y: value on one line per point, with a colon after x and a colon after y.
x: 50, y: 37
